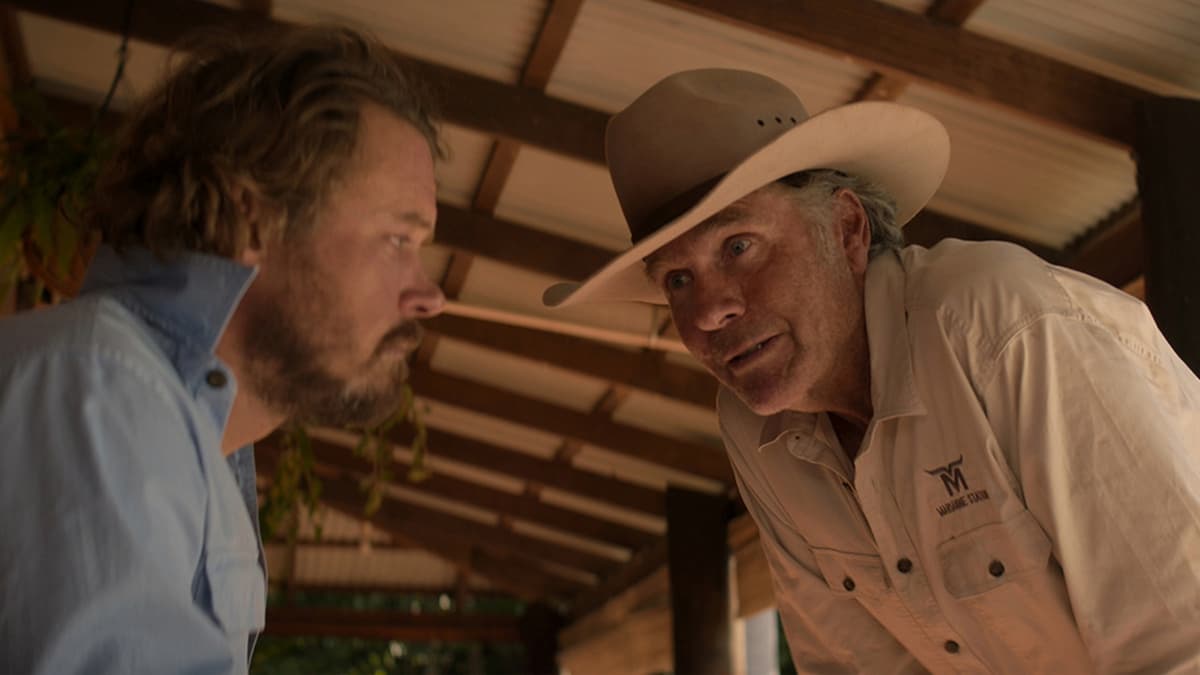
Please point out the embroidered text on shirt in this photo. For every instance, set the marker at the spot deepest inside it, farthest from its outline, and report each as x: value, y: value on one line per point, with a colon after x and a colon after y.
x: 956, y: 486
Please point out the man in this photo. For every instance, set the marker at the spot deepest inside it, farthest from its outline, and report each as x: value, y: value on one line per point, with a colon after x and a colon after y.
x: 265, y: 210
x: 960, y: 459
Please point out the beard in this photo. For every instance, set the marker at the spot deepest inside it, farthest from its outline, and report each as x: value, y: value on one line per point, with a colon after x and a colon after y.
x: 289, y: 344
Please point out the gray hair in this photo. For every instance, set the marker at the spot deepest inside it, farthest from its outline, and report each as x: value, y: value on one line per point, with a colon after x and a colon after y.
x: 813, y: 189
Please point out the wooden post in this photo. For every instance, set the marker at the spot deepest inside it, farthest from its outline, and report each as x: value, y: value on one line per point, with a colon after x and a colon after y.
x: 539, y: 627
x: 697, y: 561
x: 1168, y: 144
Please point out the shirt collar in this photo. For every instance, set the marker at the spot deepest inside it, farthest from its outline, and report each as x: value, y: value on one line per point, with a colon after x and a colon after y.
x: 893, y: 387
x: 189, y: 298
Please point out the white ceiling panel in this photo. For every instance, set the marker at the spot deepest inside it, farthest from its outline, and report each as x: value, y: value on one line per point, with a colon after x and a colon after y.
x: 620, y: 47
x: 79, y: 63
x: 1022, y: 176
x: 479, y: 36
x: 534, y: 379
x: 1153, y: 44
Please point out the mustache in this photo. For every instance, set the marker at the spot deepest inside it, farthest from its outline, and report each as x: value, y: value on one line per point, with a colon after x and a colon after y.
x: 408, y: 334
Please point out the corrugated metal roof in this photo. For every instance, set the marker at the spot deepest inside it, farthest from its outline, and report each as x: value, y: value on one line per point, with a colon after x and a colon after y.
x: 1154, y: 44
x: 478, y: 36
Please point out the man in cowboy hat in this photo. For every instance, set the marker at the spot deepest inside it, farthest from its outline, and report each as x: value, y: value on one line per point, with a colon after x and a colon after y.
x: 959, y: 459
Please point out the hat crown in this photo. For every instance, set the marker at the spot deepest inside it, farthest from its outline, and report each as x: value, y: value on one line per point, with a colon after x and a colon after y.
x: 682, y: 135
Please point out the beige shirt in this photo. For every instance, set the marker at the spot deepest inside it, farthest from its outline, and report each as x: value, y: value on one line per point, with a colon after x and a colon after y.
x: 1025, y: 500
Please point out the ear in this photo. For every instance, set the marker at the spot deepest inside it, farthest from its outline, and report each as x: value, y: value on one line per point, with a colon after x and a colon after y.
x: 250, y: 214
x: 852, y: 229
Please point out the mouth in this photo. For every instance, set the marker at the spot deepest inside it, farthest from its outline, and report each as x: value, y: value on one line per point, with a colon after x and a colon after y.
x: 403, y: 339
x: 750, y: 353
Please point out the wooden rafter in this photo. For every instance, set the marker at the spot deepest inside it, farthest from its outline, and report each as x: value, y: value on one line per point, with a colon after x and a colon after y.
x: 391, y: 625
x: 481, y: 496
x: 504, y: 568
x: 340, y: 490
x: 1113, y: 250
x: 640, y: 370
x: 604, y: 489
x: 531, y: 118
x: 683, y: 456
x: 945, y: 56
x: 884, y: 87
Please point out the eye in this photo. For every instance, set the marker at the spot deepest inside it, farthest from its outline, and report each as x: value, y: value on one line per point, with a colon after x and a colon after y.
x: 738, y: 246
x: 399, y: 240
x: 676, y: 280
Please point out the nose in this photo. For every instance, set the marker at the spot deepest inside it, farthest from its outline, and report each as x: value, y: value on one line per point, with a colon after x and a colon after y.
x: 423, y: 299
x: 717, y: 304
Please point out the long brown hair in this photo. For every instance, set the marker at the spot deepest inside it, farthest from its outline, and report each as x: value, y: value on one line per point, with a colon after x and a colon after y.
x: 271, y: 115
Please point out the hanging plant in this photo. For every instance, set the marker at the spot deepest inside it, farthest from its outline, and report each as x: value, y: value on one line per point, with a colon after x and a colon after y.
x: 49, y: 170
x: 375, y: 446
x: 296, y: 488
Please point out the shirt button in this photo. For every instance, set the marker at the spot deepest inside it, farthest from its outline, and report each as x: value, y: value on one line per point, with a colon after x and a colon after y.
x: 904, y: 565
x: 216, y: 379
x: 996, y: 569
x: 848, y: 584
x: 951, y: 646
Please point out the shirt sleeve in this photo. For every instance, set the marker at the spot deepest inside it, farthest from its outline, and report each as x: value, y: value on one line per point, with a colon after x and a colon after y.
x: 103, y: 506
x: 1103, y: 426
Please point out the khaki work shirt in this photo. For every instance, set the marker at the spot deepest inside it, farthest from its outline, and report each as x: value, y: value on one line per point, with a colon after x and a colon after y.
x: 1025, y: 500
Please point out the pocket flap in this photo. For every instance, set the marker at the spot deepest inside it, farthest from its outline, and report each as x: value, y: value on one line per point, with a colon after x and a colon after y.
x: 987, y: 557
x: 852, y: 573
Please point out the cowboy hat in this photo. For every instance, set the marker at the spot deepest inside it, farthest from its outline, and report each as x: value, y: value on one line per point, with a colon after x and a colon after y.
x: 700, y: 140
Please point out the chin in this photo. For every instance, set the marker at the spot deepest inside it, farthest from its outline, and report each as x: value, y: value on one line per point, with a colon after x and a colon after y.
x: 763, y: 402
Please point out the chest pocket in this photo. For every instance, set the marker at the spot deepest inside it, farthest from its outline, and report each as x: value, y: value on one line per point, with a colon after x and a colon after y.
x: 852, y: 574
x: 238, y: 592
x: 992, y: 555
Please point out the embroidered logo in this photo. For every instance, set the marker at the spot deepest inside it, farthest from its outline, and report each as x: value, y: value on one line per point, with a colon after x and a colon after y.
x: 952, y: 476
x: 956, y: 486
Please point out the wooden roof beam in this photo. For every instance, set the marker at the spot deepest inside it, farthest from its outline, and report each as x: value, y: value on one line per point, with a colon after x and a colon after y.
x: 340, y: 489
x: 442, y: 537
x: 391, y: 625
x: 945, y: 56
x: 523, y: 507
x: 529, y: 117
x: 623, y: 494
x: 640, y: 370
x: 680, y: 455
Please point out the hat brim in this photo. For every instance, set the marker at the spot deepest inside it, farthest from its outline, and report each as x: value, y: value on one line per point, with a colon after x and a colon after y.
x: 901, y: 149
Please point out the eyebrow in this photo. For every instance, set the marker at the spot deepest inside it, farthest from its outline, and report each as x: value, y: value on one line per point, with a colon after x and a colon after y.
x: 414, y: 218
x: 730, y: 215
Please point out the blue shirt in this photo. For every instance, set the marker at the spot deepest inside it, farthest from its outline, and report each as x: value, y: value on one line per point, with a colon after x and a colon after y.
x: 128, y: 541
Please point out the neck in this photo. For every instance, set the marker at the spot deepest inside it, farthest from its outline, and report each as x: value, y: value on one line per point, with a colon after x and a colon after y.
x: 250, y: 419
x: 852, y: 409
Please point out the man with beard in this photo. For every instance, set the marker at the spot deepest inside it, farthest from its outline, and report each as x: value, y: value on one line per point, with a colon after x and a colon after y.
x: 262, y: 219
x: 960, y: 459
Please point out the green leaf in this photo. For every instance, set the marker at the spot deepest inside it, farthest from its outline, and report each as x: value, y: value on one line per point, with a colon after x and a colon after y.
x: 41, y: 225
x: 12, y: 226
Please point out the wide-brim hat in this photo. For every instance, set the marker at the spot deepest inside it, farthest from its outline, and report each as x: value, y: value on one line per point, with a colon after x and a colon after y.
x: 700, y: 140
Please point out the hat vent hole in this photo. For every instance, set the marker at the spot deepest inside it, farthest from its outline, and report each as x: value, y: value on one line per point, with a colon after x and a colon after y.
x: 793, y: 120
x: 778, y: 120
x: 761, y: 123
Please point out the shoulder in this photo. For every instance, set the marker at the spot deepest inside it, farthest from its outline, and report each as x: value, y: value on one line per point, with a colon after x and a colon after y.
x: 968, y: 276
x: 981, y: 292
x: 84, y: 383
